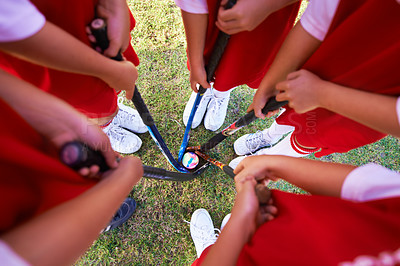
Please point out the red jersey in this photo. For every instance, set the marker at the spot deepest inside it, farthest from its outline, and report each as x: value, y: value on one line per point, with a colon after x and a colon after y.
x: 32, y: 178
x: 318, y: 230
x: 88, y: 94
x: 248, y: 54
x: 362, y: 51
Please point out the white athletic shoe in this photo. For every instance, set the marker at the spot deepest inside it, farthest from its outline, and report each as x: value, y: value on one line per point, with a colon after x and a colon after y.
x: 250, y: 143
x: 122, y: 140
x: 201, y: 109
x: 130, y: 119
x: 236, y: 161
x: 216, y: 112
x: 202, y: 230
x: 225, y: 220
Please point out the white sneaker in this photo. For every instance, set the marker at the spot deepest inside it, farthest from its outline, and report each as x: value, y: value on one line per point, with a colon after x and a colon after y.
x: 225, y: 220
x: 130, y: 119
x: 236, y: 161
x: 122, y: 140
x: 216, y: 112
x: 249, y: 143
x: 202, y: 230
x: 201, y: 109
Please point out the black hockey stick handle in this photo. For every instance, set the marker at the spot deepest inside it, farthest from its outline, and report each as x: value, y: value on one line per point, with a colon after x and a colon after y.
x: 218, y: 50
x: 77, y: 155
x: 271, y: 105
x: 219, y: 47
x: 98, y: 28
x: 99, y: 31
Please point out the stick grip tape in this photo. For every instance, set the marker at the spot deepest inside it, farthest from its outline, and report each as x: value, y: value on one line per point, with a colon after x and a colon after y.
x: 98, y: 28
x: 263, y: 194
x: 271, y: 105
x: 219, y: 48
x: 77, y: 155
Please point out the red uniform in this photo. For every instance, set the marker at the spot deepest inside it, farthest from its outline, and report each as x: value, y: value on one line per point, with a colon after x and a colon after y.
x: 248, y: 55
x: 32, y: 178
x: 362, y: 51
x: 90, y: 95
x: 317, y: 230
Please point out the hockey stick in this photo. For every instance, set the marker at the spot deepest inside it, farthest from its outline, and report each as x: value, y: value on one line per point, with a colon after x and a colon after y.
x: 99, y: 31
x: 77, y: 155
x: 271, y: 105
x: 216, y: 55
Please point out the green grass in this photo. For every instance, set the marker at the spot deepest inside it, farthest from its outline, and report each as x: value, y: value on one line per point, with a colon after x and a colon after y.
x: 157, y: 234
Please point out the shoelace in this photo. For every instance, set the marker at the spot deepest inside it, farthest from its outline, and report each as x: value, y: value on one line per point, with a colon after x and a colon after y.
x: 206, y: 237
x: 114, y: 130
x: 218, y: 102
x: 255, y: 141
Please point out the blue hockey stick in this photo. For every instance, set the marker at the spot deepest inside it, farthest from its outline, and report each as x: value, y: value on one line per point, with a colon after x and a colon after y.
x: 216, y: 55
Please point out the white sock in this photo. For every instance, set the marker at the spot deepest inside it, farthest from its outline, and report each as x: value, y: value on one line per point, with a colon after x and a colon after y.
x: 275, y: 132
x: 284, y: 147
x: 221, y: 94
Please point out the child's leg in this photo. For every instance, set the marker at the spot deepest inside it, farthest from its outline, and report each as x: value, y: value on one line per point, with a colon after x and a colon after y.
x: 201, y: 109
x: 121, y: 128
x: 250, y: 143
x: 287, y: 147
x: 216, y: 110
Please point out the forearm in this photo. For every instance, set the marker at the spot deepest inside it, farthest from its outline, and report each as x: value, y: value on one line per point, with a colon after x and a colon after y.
x: 195, y: 29
x: 54, y: 48
x: 229, y: 244
x: 28, y: 101
x: 294, y: 52
x: 364, y: 107
x: 316, y: 177
x: 240, y: 227
x: 62, y: 234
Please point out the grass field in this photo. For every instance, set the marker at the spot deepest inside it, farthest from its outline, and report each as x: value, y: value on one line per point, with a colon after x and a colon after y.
x: 157, y: 233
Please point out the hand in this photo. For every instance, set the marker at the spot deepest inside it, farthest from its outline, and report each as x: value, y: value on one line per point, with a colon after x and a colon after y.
x: 258, y: 167
x: 243, y: 16
x: 259, y: 100
x: 129, y: 167
x: 302, y: 89
x: 247, y: 209
x: 198, y: 76
x: 122, y: 77
x: 116, y: 15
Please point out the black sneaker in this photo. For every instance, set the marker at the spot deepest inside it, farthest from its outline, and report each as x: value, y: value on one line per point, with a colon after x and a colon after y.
x: 124, y: 212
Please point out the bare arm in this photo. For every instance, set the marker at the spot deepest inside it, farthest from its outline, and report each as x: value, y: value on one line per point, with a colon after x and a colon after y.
x: 247, y: 215
x: 294, y: 52
x: 60, y: 235
x: 195, y: 29
x: 238, y: 230
x: 246, y: 15
x: 305, y: 91
x: 116, y: 14
x: 316, y: 177
x: 54, y: 48
x: 58, y: 122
